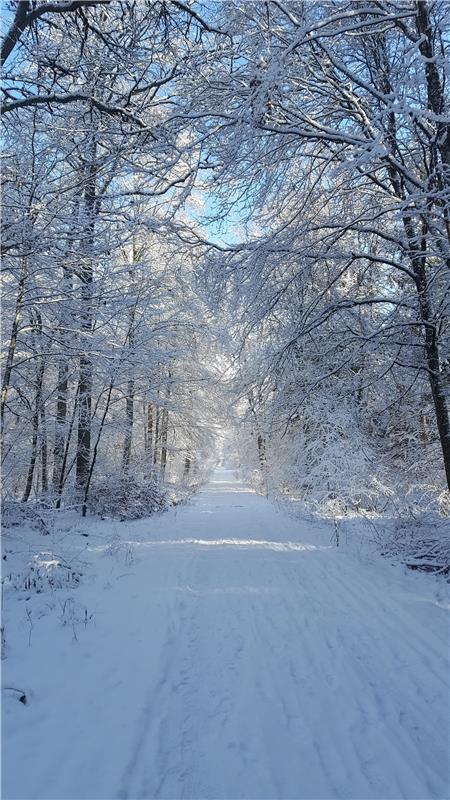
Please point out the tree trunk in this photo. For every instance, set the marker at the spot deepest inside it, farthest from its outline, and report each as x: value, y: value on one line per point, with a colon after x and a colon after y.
x: 187, y: 467
x: 156, y: 439
x: 94, y: 456
x: 164, y: 434
x: 417, y: 254
x: 85, y: 378
x: 44, y: 450
x: 129, y: 411
x: 149, y: 435
x: 12, y: 342
x: 260, y: 439
x: 35, y: 424
x: 62, y: 476
x: 433, y: 359
x: 129, y: 420
x: 62, y: 391
x: 437, y: 104
x: 84, y: 421
x: 60, y: 422
x: 16, y: 29
x: 30, y: 473
x: 435, y: 93
x: 261, y: 451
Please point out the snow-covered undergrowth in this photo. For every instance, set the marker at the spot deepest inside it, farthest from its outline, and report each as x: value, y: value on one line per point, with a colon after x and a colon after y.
x: 42, y: 570
x: 419, y: 540
x: 127, y: 496
x: 47, y: 554
x: 322, y: 466
x: 410, y: 525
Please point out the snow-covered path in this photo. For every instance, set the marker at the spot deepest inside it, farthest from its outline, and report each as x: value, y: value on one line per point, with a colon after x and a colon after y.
x: 235, y: 654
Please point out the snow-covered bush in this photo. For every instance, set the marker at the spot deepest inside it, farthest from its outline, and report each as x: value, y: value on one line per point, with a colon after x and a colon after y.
x: 44, y: 572
x: 419, y: 542
x: 127, y: 496
x: 34, y: 515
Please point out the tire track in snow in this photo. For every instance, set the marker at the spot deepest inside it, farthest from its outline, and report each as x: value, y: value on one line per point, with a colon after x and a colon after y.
x: 150, y: 721
x: 290, y: 678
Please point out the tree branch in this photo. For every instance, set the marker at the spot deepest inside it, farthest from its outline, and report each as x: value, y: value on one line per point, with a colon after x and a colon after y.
x: 23, y: 18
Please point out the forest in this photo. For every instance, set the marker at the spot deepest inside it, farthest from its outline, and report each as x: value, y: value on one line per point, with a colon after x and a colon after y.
x: 225, y: 400
x: 231, y: 217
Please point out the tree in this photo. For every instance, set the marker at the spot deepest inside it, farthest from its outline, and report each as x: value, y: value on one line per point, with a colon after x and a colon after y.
x: 105, y: 173
x: 330, y: 135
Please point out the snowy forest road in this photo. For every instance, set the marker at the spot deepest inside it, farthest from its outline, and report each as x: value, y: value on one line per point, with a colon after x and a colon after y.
x: 238, y: 655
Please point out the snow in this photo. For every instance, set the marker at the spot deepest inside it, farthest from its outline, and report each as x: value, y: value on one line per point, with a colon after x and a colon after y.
x: 226, y: 650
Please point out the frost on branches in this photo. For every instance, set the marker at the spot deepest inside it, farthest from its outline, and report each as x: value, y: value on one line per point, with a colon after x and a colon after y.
x: 241, y: 207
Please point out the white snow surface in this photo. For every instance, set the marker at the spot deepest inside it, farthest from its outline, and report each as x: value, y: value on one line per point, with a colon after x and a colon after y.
x: 227, y: 650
